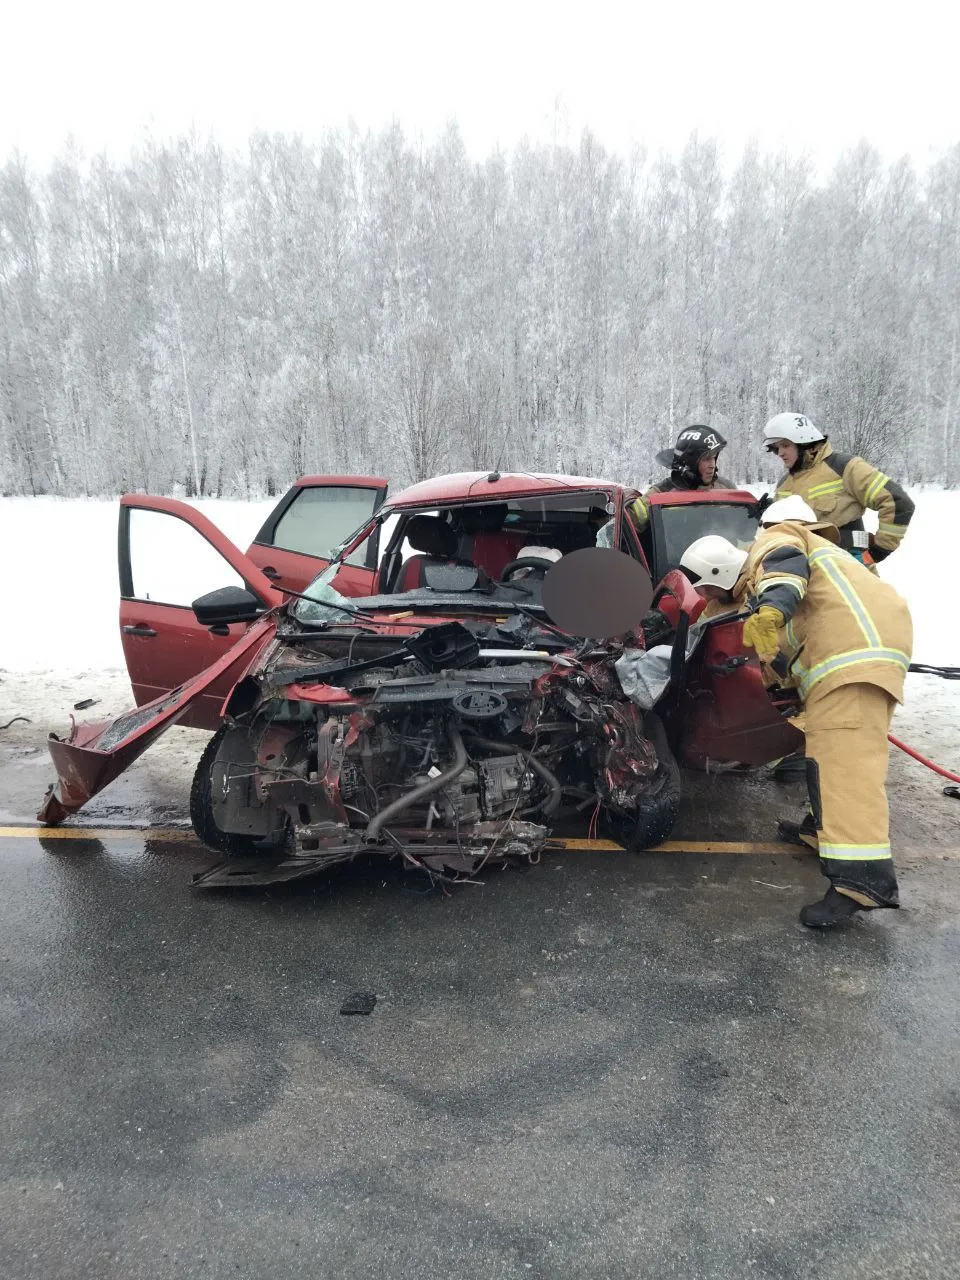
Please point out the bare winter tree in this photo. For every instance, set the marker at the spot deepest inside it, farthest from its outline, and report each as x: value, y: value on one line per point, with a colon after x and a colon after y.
x: 198, y: 321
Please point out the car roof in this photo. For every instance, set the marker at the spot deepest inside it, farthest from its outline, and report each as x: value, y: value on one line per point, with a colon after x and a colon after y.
x: 682, y: 497
x: 489, y: 486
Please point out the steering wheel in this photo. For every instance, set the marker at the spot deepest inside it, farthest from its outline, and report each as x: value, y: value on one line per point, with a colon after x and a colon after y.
x: 526, y: 562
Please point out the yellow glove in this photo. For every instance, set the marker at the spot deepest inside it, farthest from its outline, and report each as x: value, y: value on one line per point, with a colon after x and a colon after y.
x: 760, y: 632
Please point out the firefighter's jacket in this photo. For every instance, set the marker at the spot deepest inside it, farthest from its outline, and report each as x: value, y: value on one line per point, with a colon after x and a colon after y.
x: 843, y: 624
x: 839, y: 488
x: 639, y: 509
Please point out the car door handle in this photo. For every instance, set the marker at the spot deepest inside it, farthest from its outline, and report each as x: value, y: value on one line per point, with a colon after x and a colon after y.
x: 729, y: 666
x: 270, y: 572
x: 140, y: 629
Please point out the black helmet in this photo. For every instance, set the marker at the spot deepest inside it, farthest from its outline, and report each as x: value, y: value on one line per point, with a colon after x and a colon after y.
x: 693, y: 443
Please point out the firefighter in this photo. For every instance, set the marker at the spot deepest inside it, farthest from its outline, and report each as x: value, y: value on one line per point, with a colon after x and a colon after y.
x: 839, y: 487
x: 823, y: 622
x: 693, y: 463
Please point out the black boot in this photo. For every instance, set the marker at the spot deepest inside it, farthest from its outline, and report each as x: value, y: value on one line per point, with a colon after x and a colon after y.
x: 790, y: 769
x: 833, y: 908
x: 793, y: 832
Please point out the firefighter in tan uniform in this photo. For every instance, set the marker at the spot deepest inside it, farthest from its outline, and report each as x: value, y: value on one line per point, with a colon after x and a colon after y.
x: 839, y: 487
x: 823, y: 622
x: 694, y: 463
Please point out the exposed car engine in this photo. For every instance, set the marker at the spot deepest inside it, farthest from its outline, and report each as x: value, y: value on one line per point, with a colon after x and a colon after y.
x: 434, y: 747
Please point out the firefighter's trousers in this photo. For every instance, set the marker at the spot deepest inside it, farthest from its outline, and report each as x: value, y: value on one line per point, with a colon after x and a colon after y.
x: 846, y: 731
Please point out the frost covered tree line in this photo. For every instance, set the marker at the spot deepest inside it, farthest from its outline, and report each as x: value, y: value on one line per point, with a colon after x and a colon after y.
x: 213, y: 323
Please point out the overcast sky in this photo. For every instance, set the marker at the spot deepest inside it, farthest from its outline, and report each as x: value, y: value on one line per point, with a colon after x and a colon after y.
x: 808, y: 75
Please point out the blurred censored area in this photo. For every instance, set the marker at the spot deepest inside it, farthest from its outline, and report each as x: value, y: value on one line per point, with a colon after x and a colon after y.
x: 597, y: 592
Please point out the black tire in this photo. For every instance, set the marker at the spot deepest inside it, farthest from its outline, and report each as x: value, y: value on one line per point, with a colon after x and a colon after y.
x: 201, y: 808
x: 657, y: 813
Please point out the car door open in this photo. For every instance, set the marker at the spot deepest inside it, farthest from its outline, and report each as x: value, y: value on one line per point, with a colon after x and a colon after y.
x: 310, y: 522
x: 729, y: 716
x: 169, y: 555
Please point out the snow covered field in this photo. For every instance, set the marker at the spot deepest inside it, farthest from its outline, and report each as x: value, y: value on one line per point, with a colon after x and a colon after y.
x: 61, y: 554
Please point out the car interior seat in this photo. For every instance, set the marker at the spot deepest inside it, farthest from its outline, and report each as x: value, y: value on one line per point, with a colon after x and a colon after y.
x: 435, y: 542
x: 483, y: 539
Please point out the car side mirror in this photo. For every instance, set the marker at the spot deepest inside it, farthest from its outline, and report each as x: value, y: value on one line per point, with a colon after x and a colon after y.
x: 229, y: 604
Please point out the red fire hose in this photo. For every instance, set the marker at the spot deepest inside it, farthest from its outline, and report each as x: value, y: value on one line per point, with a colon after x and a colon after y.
x: 945, y: 673
x: 944, y: 773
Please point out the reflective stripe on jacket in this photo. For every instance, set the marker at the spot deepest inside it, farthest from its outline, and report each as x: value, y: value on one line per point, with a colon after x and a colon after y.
x: 840, y: 488
x: 639, y: 509
x: 843, y: 624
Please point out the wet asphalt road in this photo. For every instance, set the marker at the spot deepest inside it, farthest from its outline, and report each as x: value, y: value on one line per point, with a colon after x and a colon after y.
x: 603, y: 1066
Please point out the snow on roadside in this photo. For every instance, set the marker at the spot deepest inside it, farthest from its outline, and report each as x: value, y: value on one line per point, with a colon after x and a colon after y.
x: 61, y: 554
x: 922, y: 572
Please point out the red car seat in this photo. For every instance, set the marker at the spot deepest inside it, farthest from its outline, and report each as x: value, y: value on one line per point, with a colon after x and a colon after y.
x: 484, y: 539
x: 491, y: 551
x: 437, y: 543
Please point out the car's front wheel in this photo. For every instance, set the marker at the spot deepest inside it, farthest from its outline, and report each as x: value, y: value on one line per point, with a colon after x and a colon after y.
x: 654, y: 817
x: 228, y: 843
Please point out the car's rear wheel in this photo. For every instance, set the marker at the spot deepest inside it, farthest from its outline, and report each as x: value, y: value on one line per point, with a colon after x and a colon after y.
x: 228, y: 843
x: 654, y: 818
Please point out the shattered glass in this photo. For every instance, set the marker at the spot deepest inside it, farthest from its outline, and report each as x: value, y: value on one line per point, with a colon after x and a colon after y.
x: 128, y: 724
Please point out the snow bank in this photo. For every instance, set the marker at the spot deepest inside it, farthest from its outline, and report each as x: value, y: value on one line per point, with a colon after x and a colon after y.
x: 922, y: 571
x: 61, y: 556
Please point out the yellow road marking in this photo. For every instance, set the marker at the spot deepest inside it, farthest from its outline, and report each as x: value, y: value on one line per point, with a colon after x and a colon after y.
x: 593, y: 846
x: 98, y: 833
x: 680, y: 846
x: 186, y: 836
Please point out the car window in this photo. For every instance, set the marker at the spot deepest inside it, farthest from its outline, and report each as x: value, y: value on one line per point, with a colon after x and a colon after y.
x: 171, y: 562
x: 682, y: 524
x: 628, y: 539
x: 371, y: 550
x: 318, y: 519
x: 628, y: 543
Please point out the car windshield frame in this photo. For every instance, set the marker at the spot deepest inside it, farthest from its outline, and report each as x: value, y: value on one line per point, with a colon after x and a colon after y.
x: 669, y: 543
x: 320, y: 602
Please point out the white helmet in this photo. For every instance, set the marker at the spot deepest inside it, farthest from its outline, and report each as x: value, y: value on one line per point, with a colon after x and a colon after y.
x: 713, y: 562
x: 790, y: 508
x: 795, y: 427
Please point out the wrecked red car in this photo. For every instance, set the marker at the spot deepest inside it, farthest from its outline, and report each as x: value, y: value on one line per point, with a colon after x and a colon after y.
x: 384, y: 675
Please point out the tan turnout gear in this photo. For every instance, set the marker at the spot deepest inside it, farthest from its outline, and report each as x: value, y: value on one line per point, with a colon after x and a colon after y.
x: 851, y: 627
x: 845, y: 645
x: 846, y: 735
x: 840, y: 488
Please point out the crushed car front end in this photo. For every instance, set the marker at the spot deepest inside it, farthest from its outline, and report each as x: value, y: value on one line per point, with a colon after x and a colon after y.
x: 452, y: 746
x: 441, y: 715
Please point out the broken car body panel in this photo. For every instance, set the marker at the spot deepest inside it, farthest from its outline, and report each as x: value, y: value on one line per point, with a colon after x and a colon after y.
x: 97, y: 752
x: 726, y: 714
